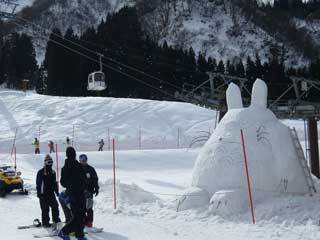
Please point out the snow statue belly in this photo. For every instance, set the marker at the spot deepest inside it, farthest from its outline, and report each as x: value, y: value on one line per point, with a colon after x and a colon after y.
x: 272, y: 160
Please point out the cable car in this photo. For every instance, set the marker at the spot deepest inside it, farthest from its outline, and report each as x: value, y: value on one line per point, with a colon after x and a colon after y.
x: 97, y: 80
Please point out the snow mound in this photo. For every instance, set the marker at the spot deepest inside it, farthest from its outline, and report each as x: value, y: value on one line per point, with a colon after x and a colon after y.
x: 193, y: 198
x: 272, y: 158
x: 134, y: 195
x: 226, y: 203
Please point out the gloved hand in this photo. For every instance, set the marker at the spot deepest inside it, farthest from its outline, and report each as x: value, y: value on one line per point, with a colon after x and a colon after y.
x: 96, y: 191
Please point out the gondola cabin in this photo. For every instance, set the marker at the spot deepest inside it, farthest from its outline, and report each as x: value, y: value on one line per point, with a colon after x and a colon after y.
x: 97, y: 81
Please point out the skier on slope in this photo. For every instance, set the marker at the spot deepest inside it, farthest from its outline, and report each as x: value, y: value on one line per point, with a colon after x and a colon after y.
x: 91, y: 186
x: 73, y: 179
x: 36, y: 144
x: 101, y: 144
x: 47, y: 187
x: 68, y: 142
x: 51, y: 147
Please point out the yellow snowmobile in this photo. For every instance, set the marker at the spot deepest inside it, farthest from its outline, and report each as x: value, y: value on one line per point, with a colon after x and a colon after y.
x: 10, y: 180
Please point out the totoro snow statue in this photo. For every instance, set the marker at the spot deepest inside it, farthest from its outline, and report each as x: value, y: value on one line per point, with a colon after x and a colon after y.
x: 219, y: 177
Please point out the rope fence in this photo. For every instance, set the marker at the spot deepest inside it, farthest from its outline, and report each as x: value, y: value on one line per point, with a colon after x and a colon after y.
x: 140, y: 139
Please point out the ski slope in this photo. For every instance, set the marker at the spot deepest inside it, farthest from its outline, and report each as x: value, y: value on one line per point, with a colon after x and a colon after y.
x: 149, y: 181
x: 159, y: 124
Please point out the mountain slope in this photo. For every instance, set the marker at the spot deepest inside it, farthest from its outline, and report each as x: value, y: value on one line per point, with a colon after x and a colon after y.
x: 217, y: 28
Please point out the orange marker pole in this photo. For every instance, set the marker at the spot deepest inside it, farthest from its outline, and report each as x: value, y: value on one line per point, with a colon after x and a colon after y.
x: 248, y: 179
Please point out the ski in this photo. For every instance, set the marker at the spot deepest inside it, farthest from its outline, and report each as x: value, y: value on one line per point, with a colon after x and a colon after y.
x: 36, y: 224
x: 27, y: 227
x: 92, y: 230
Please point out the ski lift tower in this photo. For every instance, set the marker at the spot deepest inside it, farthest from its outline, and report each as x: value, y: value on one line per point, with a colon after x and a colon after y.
x: 8, y: 8
x: 298, y: 98
x: 7, y: 11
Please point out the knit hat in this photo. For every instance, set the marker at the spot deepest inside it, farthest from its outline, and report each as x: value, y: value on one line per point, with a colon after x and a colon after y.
x: 71, y: 153
x: 83, y: 158
x: 48, y: 160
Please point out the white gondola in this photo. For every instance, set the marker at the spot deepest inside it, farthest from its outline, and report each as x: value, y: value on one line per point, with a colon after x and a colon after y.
x: 97, y: 80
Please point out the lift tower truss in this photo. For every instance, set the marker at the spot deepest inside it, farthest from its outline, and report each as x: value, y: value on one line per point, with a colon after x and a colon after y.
x: 8, y: 8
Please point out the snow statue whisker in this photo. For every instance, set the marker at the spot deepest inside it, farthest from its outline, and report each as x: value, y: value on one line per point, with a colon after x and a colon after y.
x: 219, y: 178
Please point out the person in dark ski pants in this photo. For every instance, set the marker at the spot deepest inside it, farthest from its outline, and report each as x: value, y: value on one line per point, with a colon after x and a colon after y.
x: 36, y: 144
x: 51, y: 147
x: 92, y: 188
x: 73, y: 179
x: 65, y: 204
x: 101, y: 144
x: 47, y: 187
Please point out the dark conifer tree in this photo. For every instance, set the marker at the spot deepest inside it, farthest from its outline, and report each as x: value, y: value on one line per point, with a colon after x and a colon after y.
x: 54, y: 63
x: 221, y: 67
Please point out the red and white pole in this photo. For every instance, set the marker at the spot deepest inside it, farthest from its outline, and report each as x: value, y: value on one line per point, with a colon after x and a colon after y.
x: 139, y: 137
x: 14, y: 141
x: 72, y: 135
x: 178, y: 138
x: 57, y: 163
x: 248, y: 177
x: 15, y: 159
x: 109, y: 144
x: 114, y: 175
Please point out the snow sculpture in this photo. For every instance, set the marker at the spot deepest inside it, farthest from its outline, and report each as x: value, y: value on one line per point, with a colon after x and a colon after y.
x: 219, y: 172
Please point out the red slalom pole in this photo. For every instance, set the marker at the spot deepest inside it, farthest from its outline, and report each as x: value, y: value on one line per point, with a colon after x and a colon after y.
x: 57, y: 161
x: 248, y: 179
x: 15, y: 159
x: 114, y: 175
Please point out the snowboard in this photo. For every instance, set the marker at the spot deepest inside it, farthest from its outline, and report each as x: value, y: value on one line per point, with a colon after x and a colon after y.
x: 55, y: 233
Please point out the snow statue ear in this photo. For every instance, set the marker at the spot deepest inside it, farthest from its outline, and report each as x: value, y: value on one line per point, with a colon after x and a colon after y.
x: 259, y: 94
x: 234, y: 99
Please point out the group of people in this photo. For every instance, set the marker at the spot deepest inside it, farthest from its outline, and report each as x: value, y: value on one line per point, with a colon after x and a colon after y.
x: 80, y: 181
x: 36, y: 144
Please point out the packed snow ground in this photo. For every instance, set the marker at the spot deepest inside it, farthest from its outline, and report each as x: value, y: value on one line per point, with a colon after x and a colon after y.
x: 149, y: 182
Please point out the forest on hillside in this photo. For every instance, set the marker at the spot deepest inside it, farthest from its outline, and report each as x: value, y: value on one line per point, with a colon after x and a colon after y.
x: 134, y: 64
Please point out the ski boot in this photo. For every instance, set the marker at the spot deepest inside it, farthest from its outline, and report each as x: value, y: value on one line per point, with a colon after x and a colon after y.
x: 63, y: 236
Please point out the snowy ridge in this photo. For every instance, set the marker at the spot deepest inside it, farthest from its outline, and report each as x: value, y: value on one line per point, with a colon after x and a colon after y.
x: 215, y: 28
x: 24, y: 3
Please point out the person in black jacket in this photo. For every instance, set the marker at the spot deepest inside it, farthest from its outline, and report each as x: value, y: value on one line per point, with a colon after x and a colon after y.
x: 91, y: 186
x: 47, y: 187
x: 73, y: 179
x: 101, y: 144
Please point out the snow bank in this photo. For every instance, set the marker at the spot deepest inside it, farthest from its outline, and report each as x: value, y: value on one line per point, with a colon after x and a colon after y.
x: 225, y: 203
x: 133, y: 194
x: 193, y: 198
